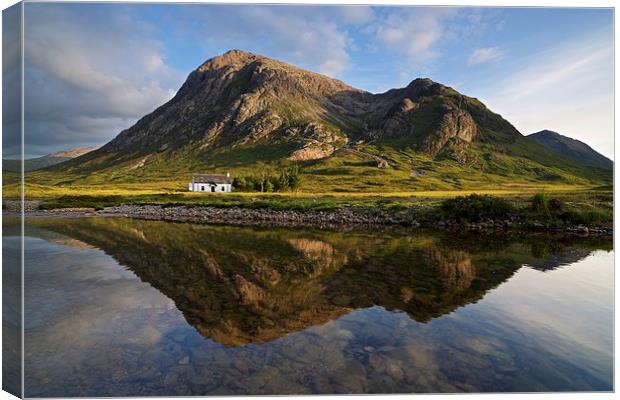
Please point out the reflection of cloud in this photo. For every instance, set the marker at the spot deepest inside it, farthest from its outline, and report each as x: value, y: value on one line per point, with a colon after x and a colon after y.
x: 91, y: 314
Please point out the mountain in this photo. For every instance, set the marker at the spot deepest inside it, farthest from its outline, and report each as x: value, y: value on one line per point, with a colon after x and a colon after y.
x: 48, y: 160
x: 240, y: 98
x: 75, y: 152
x: 240, y: 111
x: 571, y: 148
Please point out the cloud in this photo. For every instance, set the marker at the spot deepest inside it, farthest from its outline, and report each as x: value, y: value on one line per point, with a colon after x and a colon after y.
x: 414, y: 31
x: 567, y: 89
x: 311, y: 37
x: 356, y: 15
x: 485, y: 55
x: 85, y: 64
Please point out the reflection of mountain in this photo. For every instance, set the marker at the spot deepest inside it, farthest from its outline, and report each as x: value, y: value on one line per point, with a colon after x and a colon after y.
x: 243, y: 285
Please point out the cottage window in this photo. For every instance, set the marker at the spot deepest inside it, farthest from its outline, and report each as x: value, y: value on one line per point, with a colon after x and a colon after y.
x: 223, y: 188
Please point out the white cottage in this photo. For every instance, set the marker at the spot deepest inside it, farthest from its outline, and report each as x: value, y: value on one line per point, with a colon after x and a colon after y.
x: 210, y: 183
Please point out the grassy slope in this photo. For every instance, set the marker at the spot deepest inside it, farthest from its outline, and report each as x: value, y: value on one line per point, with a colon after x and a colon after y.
x: 346, y: 172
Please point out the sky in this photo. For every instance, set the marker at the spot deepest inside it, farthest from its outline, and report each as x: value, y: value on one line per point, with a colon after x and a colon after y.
x: 92, y: 70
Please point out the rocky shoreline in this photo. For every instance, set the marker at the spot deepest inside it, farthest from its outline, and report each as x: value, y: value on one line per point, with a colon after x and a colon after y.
x: 333, y: 219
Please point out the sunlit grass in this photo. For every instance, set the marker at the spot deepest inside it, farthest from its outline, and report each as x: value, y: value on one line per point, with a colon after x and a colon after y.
x: 34, y: 191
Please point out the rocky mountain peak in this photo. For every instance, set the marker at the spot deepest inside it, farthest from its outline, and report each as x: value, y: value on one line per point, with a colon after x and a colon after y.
x: 230, y: 59
x: 240, y: 98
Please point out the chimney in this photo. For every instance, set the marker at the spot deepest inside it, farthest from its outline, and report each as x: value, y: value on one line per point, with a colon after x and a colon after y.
x: 228, y: 174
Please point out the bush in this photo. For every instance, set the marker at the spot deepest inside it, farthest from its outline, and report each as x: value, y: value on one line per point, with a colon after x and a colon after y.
x: 268, y: 186
x: 589, y: 217
x: 540, y: 203
x: 476, y: 208
x: 556, y: 205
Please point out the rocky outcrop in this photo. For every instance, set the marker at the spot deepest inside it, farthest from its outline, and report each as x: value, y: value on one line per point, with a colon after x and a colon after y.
x: 318, y: 142
x: 454, y: 124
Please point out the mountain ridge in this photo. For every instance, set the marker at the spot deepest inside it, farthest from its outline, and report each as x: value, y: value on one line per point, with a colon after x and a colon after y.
x: 571, y: 148
x: 239, y: 109
x: 35, y: 163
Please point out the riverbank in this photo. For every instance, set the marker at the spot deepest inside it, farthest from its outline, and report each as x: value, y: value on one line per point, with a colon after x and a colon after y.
x: 357, y: 217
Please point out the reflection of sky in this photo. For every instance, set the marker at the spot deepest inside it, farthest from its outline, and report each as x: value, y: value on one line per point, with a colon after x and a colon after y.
x: 573, y: 304
x: 569, y: 311
x: 93, y: 329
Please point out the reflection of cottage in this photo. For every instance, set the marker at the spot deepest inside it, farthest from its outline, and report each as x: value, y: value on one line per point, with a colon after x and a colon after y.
x: 210, y: 183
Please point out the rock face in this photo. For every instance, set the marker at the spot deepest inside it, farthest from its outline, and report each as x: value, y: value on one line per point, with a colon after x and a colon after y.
x: 571, y: 148
x: 241, y: 98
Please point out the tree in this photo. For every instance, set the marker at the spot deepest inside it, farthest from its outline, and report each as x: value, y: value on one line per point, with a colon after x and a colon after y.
x: 262, y: 175
x: 282, y: 182
x: 294, y: 177
x: 239, y: 183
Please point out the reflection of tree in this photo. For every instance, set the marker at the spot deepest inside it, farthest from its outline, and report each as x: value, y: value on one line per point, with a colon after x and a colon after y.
x: 243, y: 285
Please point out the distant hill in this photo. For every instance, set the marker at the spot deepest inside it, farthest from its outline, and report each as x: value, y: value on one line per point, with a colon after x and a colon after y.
x: 32, y: 164
x: 571, y: 148
x: 242, y: 113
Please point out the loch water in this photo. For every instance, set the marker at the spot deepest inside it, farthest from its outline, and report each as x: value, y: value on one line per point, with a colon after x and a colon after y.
x: 126, y: 307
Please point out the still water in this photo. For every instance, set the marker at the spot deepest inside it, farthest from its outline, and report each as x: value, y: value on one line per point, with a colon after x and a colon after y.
x: 119, y: 307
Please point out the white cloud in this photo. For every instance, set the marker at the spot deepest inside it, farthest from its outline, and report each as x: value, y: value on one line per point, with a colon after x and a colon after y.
x: 76, y: 75
x: 567, y: 89
x: 484, y: 55
x: 414, y: 31
x: 357, y: 14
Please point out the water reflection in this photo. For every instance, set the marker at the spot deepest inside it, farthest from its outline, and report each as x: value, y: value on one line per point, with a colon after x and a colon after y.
x: 283, y: 311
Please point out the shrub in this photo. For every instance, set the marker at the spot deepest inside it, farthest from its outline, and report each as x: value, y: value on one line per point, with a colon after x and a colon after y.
x: 556, y: 205
x: 540, y: 203
x: 476, y: 208
x: 268, y: 186
x: 589, y: 217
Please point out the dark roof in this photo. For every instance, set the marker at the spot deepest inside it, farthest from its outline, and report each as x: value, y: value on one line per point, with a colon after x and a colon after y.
x: 210, y: 178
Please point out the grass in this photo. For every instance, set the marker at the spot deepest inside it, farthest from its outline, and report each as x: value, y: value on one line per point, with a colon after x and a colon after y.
x: 579, y: 205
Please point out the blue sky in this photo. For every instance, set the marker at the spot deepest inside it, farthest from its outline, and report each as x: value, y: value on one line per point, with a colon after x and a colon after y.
x: 94, y: 69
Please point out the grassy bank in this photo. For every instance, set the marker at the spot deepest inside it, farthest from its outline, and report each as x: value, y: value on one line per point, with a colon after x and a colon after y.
x: 550, y: 206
